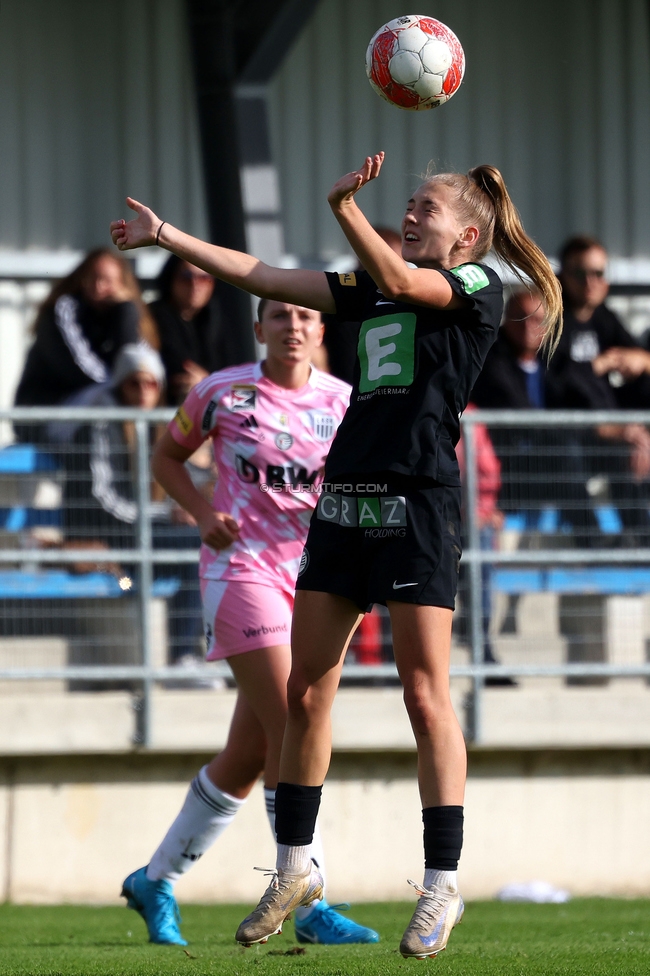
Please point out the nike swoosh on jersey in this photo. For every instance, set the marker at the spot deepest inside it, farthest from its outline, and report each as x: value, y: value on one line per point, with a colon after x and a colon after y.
x: 384, y: 303
x: 400, y: 586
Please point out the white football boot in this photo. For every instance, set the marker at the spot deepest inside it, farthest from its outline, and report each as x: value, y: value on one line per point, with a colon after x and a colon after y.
x: 437, y: 911
x: 285, y: 892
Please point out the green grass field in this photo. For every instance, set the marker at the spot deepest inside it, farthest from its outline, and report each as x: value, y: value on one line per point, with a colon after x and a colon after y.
x: 589, y: 937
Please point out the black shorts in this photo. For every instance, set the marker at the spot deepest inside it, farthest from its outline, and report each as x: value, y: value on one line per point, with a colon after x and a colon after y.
x: 386, y: 541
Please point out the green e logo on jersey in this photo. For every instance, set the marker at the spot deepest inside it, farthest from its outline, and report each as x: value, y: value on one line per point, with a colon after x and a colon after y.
x: 473, y: 277
x: 386, y: 351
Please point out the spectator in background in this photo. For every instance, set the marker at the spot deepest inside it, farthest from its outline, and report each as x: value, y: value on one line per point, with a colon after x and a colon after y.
x: 598, y: 366
x: 541, y: 467
x: 341, y: 337
x: 515, y: 378
x: 193, y: 341
x: 80, y: 328
x: 595, y: 337
x: 100, y: 506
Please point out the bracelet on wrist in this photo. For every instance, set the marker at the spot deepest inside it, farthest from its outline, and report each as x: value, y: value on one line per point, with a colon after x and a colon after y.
x: 158, y: 232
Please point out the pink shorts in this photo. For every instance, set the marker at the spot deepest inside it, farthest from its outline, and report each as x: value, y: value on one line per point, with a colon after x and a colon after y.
x: 240, y: 617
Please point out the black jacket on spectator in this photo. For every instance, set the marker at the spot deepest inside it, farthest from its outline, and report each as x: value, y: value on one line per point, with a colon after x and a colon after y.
x: 75, y: 345
x: 206, y: 340
x: 99, y: 490
x: 502, y: 382
x: 570, y: 367
x: 539, y: 466
x: 100, y: 506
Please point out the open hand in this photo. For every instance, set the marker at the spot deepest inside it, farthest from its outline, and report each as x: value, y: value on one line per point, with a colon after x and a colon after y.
x: 345, y: 188
x: 218, y: 530
x: 140, y: 232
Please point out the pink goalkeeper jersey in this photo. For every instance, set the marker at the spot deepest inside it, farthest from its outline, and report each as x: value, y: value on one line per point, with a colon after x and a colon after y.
x: 270, y: 446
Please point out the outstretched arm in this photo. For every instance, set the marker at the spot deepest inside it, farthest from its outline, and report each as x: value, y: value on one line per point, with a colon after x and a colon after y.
x: 295, y: 285
x: 388, y: 270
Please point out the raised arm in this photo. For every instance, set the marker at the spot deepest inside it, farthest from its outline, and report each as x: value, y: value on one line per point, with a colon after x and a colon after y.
x: 421, y: 286
x: 295, y: 285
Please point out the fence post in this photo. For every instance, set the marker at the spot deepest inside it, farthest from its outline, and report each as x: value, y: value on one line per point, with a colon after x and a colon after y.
x: 475, y: 580
x: 143, y: 713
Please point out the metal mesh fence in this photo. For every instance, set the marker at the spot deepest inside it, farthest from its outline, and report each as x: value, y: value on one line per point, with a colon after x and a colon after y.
x: 98, y: 570
x: 556, y: 578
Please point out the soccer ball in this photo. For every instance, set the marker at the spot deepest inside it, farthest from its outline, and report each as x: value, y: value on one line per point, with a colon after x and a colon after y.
x: 415, y: 62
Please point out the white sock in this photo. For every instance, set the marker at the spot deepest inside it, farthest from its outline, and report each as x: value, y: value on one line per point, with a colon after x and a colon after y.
x: 293, y: 860
x: 443, y: 879
x: 317, y: 855
x: 206, y: 813
x: 315, y: 850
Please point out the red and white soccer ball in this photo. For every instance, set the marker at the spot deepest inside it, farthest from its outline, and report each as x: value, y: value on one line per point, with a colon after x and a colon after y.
x: 415, y: 62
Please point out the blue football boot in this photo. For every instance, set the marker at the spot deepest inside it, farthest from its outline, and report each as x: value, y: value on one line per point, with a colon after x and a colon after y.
x: 324, y: 925
x: 155, y: 901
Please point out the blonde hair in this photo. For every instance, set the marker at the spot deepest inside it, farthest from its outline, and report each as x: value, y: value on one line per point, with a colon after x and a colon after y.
x: 482, y: 199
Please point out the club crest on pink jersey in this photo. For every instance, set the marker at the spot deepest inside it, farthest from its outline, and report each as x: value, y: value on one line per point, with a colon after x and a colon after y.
x: 321, y: 424
x: 243, y: 397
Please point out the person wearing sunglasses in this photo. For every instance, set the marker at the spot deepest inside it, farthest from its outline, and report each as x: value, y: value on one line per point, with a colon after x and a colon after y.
x: 599, y: 365
x: 592, y: 332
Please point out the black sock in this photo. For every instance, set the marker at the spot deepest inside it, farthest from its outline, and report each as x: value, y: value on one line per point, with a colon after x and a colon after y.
x: 443, y: 837
x: 296, y: 809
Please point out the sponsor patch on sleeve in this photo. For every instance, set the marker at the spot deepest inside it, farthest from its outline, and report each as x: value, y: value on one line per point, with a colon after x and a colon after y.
x: 208, y: 416
x: 243, y: 397
x: 472, y: 276
x: 348, y: 279
x: 183, y: 422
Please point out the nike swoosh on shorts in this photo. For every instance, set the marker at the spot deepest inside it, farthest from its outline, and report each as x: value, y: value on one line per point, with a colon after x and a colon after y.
x: 400, y: 586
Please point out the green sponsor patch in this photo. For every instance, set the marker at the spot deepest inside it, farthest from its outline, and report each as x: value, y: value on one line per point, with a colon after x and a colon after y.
x: 472, y: 276
x: 369, y: 512
x: 386, y: 351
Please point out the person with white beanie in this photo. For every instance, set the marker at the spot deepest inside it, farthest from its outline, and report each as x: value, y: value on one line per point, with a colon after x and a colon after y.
x: 100, y: 506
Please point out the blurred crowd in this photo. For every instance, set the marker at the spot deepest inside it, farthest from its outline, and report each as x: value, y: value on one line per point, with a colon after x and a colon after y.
x: 96, y: 343
x: 598, y: 365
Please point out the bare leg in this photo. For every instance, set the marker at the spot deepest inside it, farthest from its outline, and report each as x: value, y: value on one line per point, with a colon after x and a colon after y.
x: 422, y: 643
x: 257, y: 727
x: 238, y: 767
x: 322, y: 627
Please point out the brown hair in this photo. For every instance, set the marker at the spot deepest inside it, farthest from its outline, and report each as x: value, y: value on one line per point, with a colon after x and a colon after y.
x: 482, y: 199
x: 578, y: 244
x: 73, y: 284
x: 261, y: 306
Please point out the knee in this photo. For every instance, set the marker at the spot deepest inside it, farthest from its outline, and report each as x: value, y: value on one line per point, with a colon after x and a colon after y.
x: 303, y: 700
x: 426, y: 708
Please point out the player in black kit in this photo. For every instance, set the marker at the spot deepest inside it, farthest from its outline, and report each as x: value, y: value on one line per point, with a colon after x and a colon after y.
x: 386, y: 528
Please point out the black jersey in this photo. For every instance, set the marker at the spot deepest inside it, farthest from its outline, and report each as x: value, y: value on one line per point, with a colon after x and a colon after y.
x: 415, y: 369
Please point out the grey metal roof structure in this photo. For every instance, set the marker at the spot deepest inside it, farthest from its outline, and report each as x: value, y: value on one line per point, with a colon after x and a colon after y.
x: 556, y: 94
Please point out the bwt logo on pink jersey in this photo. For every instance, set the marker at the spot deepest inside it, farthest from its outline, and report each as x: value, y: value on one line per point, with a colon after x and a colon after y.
x: 276, y: 474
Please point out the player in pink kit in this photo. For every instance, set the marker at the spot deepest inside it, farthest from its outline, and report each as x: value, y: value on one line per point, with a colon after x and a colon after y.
x: 271, y: 426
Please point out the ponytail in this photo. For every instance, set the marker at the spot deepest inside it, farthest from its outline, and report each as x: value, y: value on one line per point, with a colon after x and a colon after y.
x: 482, y: 198
x: 519, y: 252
